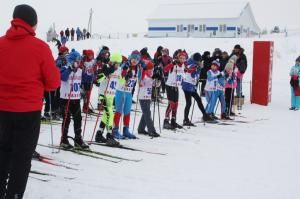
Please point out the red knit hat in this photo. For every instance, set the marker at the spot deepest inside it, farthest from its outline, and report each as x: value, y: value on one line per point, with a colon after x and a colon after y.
x: 63, y: 49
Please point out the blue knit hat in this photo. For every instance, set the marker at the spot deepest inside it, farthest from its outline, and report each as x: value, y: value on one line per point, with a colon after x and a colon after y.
x: 135, y: 55
x: 73, y: 56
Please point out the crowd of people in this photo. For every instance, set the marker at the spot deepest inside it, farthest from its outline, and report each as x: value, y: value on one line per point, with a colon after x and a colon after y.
x: 116, y: 77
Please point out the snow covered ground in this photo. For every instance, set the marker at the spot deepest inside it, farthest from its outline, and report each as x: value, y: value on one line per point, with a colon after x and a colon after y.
x: 259, y: 159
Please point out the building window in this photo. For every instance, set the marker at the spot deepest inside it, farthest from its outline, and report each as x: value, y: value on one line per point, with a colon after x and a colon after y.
x: 184, y: 28
x: 204, y: 28
x: 178, y: 28
x: 224, y: 27
x: 221, y: 28
x: 196, y: 28
x: 200, y: 28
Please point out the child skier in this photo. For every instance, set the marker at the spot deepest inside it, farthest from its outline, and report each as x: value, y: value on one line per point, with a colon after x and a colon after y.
x: 211, y: 88
x: 108, y: 78
x: 71, y: 76
x: 123, y: 99
x: 189, y: 86
x: 231, y: 84
x: 146, y: 84
x: 295, y: 90
x: 88, y: 76
x: 175, y: 77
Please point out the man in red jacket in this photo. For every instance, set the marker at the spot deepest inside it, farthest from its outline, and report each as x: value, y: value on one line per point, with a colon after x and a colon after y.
x: 27, y: 70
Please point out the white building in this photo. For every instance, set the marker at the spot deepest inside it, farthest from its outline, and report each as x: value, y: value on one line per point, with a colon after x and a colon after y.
x: 209, y: 19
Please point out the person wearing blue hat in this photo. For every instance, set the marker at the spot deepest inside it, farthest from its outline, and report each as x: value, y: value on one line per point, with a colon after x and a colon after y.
x: 71, y: 76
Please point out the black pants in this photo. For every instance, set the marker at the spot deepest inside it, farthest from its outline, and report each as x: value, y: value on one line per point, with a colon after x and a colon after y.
x: 19, y: 133
x: 188, y: 99
x: 229, y: 97
x: 74, y: 110
x: 203, y: 83
x: 50, y: 101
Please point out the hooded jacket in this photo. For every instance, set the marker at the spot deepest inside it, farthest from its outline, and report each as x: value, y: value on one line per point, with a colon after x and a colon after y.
x: 27, y: 69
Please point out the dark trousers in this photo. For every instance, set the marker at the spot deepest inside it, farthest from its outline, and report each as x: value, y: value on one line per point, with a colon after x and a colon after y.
x: 146, y: 119
x: 173, y: 96
x: 203, y: 83
x: 50, y: 100
x: 74, y: 110
x: 19, y: 133
x: 188, y: 99
x: 229, y: 97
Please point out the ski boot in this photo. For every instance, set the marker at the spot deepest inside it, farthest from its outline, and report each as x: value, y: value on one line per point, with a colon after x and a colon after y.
x: 36, y: 155
x: 99, y: 137
x: 167, y: 125
x: 127, y: 134
x: 153, y: 134
x: 79, y: 143
x: 47, y: 116
x: 144, y: 132
x: 116, y: 133
x: 175, y: 125
x: 110, y: 141
x: 207, y: 118
x: 187, y: 122
x: 224, y: 116
x: 212, y: 115
x: 65, y: 144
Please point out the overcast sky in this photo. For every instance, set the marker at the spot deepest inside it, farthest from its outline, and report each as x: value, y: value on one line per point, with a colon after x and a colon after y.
x: 130, y: 15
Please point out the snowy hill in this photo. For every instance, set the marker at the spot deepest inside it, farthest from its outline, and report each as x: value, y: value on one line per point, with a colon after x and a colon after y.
x: 258, y: 159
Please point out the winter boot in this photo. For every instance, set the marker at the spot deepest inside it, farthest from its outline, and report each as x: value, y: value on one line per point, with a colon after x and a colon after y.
x: 79, y: 143
x: 47, y: 115
x: 144, y: 132
x: 99, y: 137
x: 127, y: 134
x: 116, y: 133
x: 175, y: 125
x: 167, y: 125
x: 207, y: 118
x: 187, y: 122
x: 111, y: 141
x: 232, y: 113
x: 213, y: 116
x: 36, y: 155
x: 153, y: 134
x: 65, y: 144
x: 224, y: 116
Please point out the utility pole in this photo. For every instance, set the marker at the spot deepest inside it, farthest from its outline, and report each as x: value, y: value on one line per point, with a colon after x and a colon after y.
x: 89, y: 29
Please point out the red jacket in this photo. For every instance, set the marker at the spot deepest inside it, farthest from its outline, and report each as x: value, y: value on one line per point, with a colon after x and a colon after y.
x: 27, y: 69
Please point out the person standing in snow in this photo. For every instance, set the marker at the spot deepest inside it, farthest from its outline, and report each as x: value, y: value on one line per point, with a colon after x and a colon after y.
x: 71, y: 76
x: 146, y: 82
x: 175, y: 77
x: 295, y: 86
x: 25, y: 75
x: 67, y: 33
x: 88, y: 66
x: 108, y: 78
x: 241, y: 65
x: 189, y: 87
x: 123, y: 99
x: 72, y: 34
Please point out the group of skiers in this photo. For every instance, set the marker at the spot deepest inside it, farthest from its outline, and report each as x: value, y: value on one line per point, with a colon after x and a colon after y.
x: 68, y: 35
x: 116, y: 78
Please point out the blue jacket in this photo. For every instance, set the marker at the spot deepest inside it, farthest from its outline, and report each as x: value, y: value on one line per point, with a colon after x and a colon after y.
x: 65, y: 72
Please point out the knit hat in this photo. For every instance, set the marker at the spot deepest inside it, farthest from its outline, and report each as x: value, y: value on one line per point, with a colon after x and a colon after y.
x: 216, y: 63
x: 26, y: 13
x: 238, y: 46
x: 197, y: 57
x: 116, y: 58
x: 73, y: 56
x: 135, y: 55
x: 89, y: 53
x: 298, y: 59
x: 63, y: 49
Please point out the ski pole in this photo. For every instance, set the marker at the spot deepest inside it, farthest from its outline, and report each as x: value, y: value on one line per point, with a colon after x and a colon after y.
x: 51, y: 128
x: 137, y: 101
x: 98, y: 115
x: 86, y: 114
x: 66, y: 112
x: 158, y: 117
